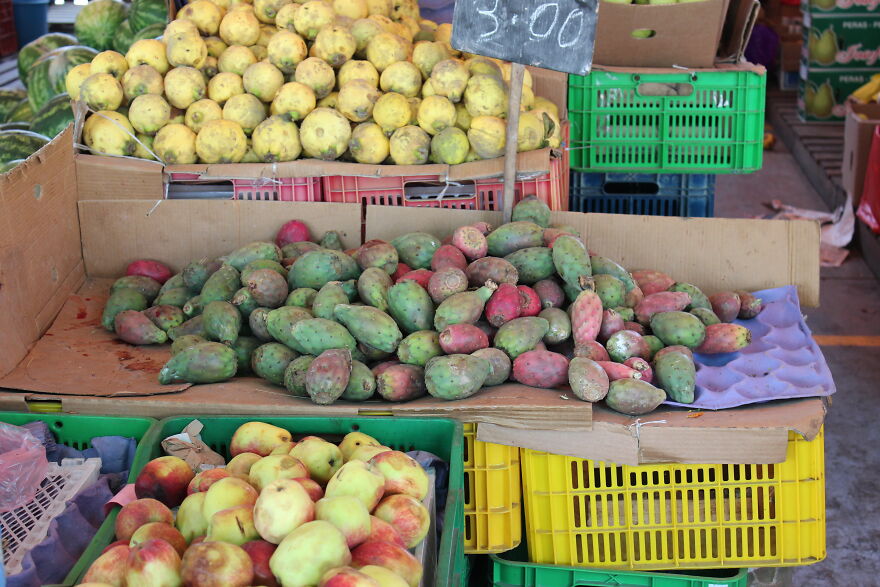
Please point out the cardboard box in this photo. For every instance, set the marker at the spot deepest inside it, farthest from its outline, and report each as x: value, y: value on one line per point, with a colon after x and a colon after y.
x: 823, y: 92
x: 857, y: 135
x: 841, y: 42
x: 841, y: 7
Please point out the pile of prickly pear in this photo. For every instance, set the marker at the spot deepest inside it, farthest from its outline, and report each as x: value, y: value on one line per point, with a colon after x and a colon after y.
x: 420, y: 315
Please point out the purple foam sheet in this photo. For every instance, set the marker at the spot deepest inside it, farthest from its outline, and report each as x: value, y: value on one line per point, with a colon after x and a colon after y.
x: 782, y: 361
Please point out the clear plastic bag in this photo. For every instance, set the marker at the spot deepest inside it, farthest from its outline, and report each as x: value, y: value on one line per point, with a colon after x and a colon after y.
x: 23, y: 466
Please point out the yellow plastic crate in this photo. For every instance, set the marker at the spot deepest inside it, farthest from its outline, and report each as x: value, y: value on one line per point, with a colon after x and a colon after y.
x: 591, y: 513
x: 492, y: 495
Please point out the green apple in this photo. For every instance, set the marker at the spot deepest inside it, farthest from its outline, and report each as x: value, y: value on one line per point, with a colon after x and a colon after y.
x: 190, y: 520
x: 358, y: 479
x: 217, y: 563
x: 348, y: 514
x: 307, y: 553
x: 226, y: 493
x: 365, y: 453
x: 274, y: 467
x: 383, y: 576
x: 321, y: 458
x: 355, y: 440
x: 234, y: 525
x: 283, y: 506
x: 257, y: 437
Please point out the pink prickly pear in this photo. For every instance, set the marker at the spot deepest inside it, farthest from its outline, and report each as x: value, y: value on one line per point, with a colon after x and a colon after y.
x: 402, y: 269
x: 448, y: 256
x: 642, y: 366
x: 420, y: 276
x: 503, y: 306
x: 462, y: 339
x: 750, y: 306
x: 551, y: 234
x: 651, y: 281
x: 541, y: 368
x: 633, y: 297
x: 724, y: 338
x: 471, y: 241
x: 446, y: 282
x: 398, y: 383
x: 676, y: 348
x: 617, y: 371
x: 382, y: 367
x: 586, y: 317
x: 483, y: 227
x: 634, y: 326
x: 665, y: 301
x: 726, y: 305
x: 592, y: 350
x: 135, y: 328
x: 529, y: 302
x: 291, y: 232
x: 550, y: 293
x: 611, y: 323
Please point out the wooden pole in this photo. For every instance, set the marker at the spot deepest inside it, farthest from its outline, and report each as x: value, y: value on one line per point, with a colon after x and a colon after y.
x: 517, y: 72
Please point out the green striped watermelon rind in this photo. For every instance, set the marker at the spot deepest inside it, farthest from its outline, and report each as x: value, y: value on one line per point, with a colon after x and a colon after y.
x: 21, y: 113
x: 97, y: 21
x: 53, y: 117
x: 154, y: 31
x: 46, y: 77
x: 123, y: 38
x: 9, y: 100
x: 19, y: 144
x: 144, y: 13
x: 29, y: 54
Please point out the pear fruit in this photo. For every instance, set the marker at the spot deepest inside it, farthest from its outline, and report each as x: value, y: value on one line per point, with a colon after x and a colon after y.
x: 283, y: 506
x: 353, y: 441
x: 321, y: 458
x: 307, y: 553
x: 824, y: 102
x: 824, y: 50
x: 358, y: 479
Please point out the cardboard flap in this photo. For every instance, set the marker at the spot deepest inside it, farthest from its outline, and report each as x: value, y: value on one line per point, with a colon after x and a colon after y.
x: 114, y: 233
x: 713, y: 253
x: 741, y: 18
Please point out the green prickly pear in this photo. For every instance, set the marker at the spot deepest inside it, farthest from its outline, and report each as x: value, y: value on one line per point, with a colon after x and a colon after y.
x: 194, y: 306
x: 624, y: 344
x: 707, y: 317
x: 411, y: 306
x: 605, y: 266
x: 328, y: 375
x: 456, y: 376
x: 332, y: 240
x: 293, y: 251
x: 295, y: 375
x: 521, y: 335
x: 633, y: 397
x: 304, y: 297
x: 560, y: 325
x: 370, y: 354
x: 222, y: 285
x: 135, y: 328
x: 499, y: 365
x: 245, y: 302
x: 626, y: 314
x: 176, y: 296
x: 173, y: 282
x: 119, y: 301
x: 676, y: 375
x: 270, y: 360
x: 196, y: 274
x: 587, y: 379
x: 571, y: 259
x: 401, y: 382
x: 148, y: 286
x: 244, y: 347
x: 316, y: 335
x: 268, y: 288
x: 327, y: 299
x: 377, y: 253
x: 675, y: 328
x: 532, y: 263
x: 361, y: 383
x: 370, y: 326
x: 654, y: 345
x: 258, y: 326
x: 419, y: 347
x: 698, y: 298
x: 610, y: 290
x: 195, y: 325
x: 262, y: 264
x: 416, y: 249
x: 463, y: 308
x: 280, y: 323
x: 532, y: 209
x: 513, y: 236
x: 316, y: 268
x: 209, y: 362
x: 186, y: 341
x: 240, y: 257
x: 373, y: 285
x: 165, y: 317
x: 349, y: 286
x: 222, y: 322
x: 724, y: 338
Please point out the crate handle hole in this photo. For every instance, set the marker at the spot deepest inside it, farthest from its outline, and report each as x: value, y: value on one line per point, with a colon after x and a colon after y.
x: 665, y: 90
x: 355, y: 427
x: 643, y: 33
x: 427, y: 190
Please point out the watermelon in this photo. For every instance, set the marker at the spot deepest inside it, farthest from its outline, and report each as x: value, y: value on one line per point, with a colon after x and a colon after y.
x: 154, y: 31
x: 123, y: 38
x: 53, y: 117
x: 9, y: 99
x: 28, y: 54
x: 21, y: 113
x: 19, y: 144
x: 10, y: 166
x: 144, y: 13
x: 46, y: 76
x: 97, y: 21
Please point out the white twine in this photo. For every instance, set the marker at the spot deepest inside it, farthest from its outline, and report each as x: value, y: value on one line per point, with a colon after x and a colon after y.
x: 156, y: 205
x: 638, y: 425
x: 123, y: 129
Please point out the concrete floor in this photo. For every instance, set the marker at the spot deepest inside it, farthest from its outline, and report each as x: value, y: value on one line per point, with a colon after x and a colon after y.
x: 850, y: 305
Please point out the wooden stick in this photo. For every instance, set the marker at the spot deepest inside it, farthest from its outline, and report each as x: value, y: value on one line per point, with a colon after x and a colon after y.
x: 517, y: 72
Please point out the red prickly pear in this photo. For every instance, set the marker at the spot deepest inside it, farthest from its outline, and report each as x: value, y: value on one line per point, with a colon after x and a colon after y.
x: 633, y: 297
x: 446, y: 240
x: 268, y: 288
x: 494, y: 268
x: 540, y: 368
x: 420, y: 276
x: 592, y: 350
x: 634, y: 326
x: 617, y: 371
x: 462, y: 339
x: 470, y: 241
x: 540, y: 346
x: 550, y: 293
x: 724, y: 338
x: 504, y: 305
x: 135, y: 328
x: 328, y: 375
x: 676, y: 348
x: 652, y: 282
x: 586, y: 317
x: 382, y: 367
x: 611, y: 323
x: 402, y: 269
x: 551, y: 234
x: 664, y: 301
x: 726, y: 305
x: 750, y: 306
x: 448, y: 256
x: 483, y: 227
x: 446, y: 282
x: 529, y: 302
x: 587, y: 379
x: 400, y: 383
x: 642, y: 366
x: 149, y: 268
x: 293, y: 231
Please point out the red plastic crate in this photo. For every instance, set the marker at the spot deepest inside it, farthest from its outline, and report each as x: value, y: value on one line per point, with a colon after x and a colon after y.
x: 8, y: 40
x: 279, y: 189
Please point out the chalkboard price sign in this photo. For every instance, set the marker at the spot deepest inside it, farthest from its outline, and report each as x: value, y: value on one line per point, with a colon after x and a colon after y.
x: 554, y: 34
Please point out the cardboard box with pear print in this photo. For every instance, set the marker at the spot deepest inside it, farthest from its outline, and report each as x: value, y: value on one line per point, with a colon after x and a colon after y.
x: 823, y: 92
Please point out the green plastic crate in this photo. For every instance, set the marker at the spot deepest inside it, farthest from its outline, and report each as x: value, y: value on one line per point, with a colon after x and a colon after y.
x: 511, y: 569
x: 709, y: 121
x: 442, y: 437
x: 76, y: 431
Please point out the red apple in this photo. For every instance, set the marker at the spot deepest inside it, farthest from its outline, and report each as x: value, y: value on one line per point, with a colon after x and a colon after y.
x: 312, y: 488
x: 165, y: 479
x: 114, y: 545
x: 139, y: 512
x: 389, y: 556
x: 382, y: 530
x: 202, y: 481
x: 153, y: 563
x: 406, y: 515
x: 403, y: 474
x: 109, y: 567
x: 260, y: 552
x: 160, y: 531
x: 216, y: 564
x: 347, y: 577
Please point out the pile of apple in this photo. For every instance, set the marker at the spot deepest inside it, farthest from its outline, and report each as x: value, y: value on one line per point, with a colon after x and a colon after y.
x: 294, y: 514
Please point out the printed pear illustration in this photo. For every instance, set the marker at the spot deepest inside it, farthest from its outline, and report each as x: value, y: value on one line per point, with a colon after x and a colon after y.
x: 824, y: 4
x: 823, y: 102
x: 809, y: 96
x: 824, y: 52
x: 811, y: 45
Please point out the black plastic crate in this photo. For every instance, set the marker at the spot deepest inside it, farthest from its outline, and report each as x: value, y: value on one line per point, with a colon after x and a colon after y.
x: 647, y: 194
